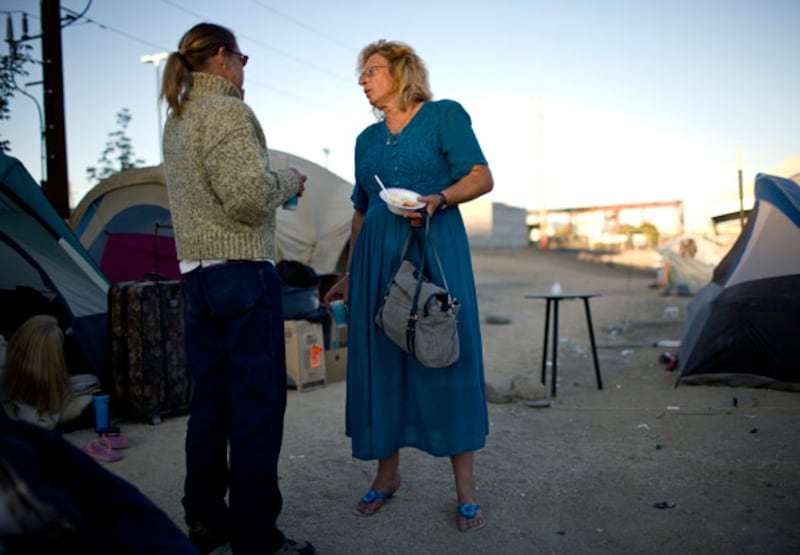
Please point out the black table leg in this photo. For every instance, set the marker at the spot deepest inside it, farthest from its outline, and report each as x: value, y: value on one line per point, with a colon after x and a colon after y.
x: 546, y: 332
x: 555, y: 348
x: 594, y: 347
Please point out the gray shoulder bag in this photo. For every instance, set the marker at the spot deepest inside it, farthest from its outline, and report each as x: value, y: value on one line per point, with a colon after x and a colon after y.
x: 418, y: 315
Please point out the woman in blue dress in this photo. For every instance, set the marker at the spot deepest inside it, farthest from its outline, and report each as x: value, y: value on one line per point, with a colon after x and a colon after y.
x: 392, y: 400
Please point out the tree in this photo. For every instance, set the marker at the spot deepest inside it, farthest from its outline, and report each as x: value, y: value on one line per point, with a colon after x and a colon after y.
x: 119, y: 150
x: 12, y: 65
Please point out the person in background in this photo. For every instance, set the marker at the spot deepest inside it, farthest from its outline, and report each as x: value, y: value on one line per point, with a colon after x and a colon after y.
x: 223, y: 197
x: 392, y: 400
x: 36, y: 383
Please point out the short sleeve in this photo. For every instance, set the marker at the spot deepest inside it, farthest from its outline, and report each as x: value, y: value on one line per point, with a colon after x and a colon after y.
x: 359, y: 198
x: 359, y: 195
x: 459, y: 143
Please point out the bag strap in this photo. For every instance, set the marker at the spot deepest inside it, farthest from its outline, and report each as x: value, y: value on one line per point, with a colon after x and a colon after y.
x: 425, y: 242
x: 402, y: 257
x: 428, y: 242
x: 405, y: 247
x: 421, y: 271
x: 436, y: 257
x: 413, y: 314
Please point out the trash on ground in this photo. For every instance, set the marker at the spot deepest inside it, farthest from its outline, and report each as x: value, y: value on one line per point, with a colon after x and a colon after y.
x: 498, y: 318
x: 668, y: 343
x: 671, y: 312
x: 538, y: 403
x: 670, y: 359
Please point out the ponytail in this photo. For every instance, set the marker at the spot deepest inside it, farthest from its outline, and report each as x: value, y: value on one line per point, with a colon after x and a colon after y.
x: 176, y: 81
x: 197, y: 46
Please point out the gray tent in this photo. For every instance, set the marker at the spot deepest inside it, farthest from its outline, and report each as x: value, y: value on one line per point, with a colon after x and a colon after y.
x: 742, y: 327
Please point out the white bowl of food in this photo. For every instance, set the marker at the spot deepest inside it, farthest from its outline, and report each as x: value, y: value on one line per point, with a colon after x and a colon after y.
x: 399, y: 201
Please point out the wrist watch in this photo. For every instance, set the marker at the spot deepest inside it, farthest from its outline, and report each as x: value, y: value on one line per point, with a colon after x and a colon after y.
x: 443, y: 200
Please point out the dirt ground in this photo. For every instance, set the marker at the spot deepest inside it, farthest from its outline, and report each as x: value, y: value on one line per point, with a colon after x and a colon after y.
x: 640, y: 466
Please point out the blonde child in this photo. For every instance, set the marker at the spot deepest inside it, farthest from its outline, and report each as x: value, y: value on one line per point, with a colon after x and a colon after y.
x: 36, y: 382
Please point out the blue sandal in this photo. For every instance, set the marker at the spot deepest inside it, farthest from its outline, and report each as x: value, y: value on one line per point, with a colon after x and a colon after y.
x: 370, y: 497
x: 469, y: 511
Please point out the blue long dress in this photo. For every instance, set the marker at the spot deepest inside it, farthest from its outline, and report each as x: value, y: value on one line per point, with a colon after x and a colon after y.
x: 392, y: 400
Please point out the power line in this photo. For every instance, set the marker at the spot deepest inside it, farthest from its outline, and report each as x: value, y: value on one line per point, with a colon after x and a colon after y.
x: 304, y: 26
x: 185, y: 10
x: 297, y: 59
x: 74, y: 15
x: 103, y: 26
x: 251, y: 82
x: 271, y: 48
x: 305, y: 100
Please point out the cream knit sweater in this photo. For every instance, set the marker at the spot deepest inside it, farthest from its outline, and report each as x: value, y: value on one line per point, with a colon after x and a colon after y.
x: 222, y: 193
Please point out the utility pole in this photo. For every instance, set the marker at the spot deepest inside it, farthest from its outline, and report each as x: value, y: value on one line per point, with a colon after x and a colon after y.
x: 56, y: 185
x: 543, y: 238
x: 741, y: 191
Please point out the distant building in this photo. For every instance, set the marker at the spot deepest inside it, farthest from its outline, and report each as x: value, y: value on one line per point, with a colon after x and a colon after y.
x: 494, y: 224
x: 611, y: 227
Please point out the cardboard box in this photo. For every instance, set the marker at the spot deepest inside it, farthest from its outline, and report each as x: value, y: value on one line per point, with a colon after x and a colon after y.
x: 336, y: 364
x: 305, y: 359
x: 338, y: 334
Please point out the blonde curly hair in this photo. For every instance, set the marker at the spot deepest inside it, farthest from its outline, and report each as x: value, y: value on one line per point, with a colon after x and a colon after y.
x: 407, y: 68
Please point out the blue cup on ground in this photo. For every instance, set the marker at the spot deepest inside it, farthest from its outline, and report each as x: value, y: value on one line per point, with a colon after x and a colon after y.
x: 100, y: 402
x: 291, y: 204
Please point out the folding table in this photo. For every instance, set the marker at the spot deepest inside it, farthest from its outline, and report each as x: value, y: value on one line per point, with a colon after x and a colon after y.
x: 553, y: 299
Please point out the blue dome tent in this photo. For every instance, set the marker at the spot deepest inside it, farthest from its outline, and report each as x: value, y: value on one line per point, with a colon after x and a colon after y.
x: 741, y: 328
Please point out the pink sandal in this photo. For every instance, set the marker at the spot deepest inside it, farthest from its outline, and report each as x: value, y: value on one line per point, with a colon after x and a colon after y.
x: 101, y: 450
x: 116, y: 440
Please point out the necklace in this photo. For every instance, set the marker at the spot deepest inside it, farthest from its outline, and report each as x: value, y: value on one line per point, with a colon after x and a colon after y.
x: 401, y: 125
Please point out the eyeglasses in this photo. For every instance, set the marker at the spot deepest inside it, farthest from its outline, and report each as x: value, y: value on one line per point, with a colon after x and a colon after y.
x: 242, y: 57
x: 369, y: 71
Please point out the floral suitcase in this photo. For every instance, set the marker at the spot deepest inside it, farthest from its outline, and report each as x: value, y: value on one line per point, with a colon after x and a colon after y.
x: 148, y: 355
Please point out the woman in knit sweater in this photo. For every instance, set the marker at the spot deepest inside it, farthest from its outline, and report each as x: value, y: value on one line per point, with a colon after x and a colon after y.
x: 223, y: 197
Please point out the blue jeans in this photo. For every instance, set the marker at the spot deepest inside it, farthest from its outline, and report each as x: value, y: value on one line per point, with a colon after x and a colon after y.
x: 236, y: 355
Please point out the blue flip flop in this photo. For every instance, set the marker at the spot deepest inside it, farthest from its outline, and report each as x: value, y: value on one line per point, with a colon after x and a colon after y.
x: 370, y: 497
x: 470, y: 511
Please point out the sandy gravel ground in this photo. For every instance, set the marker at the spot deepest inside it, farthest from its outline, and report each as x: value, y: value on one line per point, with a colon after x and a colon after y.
x: 637, y: 467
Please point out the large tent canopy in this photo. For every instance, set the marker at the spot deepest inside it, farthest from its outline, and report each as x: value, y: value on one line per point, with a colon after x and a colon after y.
x: 124, y: 222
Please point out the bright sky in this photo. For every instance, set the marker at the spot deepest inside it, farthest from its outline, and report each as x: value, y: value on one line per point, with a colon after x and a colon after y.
x: 575, y: 102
